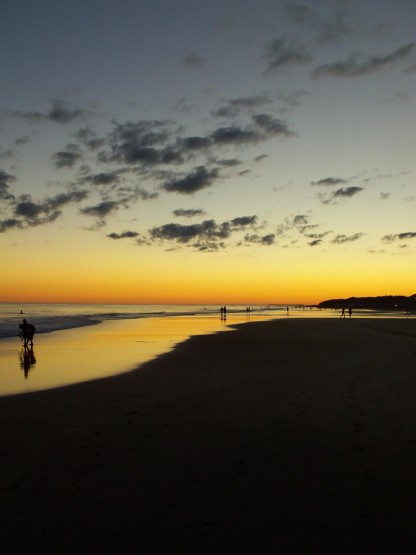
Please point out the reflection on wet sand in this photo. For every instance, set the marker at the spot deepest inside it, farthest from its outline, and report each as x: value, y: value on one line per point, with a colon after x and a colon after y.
x: 27, y: 359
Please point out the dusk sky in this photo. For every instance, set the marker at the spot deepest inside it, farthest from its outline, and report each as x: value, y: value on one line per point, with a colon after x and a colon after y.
x: 224, y: 151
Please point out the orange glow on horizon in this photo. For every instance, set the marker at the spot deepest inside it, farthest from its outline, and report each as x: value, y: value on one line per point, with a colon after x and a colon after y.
x: 293, y: 278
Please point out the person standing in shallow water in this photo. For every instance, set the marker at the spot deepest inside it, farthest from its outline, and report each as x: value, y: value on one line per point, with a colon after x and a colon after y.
x: 27, y: 333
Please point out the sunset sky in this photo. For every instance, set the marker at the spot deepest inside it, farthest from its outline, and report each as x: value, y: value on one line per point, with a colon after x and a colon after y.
x: 232, y: 151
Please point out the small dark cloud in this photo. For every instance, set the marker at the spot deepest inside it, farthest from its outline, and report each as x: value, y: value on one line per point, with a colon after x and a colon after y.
x: 283, y: 52
x: 185, y: 233
x: 343, y: 192
x: 28, y: 209
x: 194, y: 61
x: 315, y: 242
x: 62, y: 199
x: 329, y: 181
x: 228, y: 163
x: 384, y: 196
x: 300, y: 221
x: 89, y: 138
x: 267, y: 240
x: 243, y: 221
x: 399, y: 236
x: 347, y: 191
x: 358, y: 64
x: 262, y: 128
x: 190, y: 213
x: 261, y: 157
x: 272, y: 126
x: 67, y: 158
x: 9, y: 224
x: 32, y: 214
x: 28, y: 213
x: 63, y: 113
x: 195, y: 143
x: 200, y: 178
x: 142, y: 142
x: 299, y: 224
x: 103, y: 178
x: 123, y: 235
x: 234, y: 135
x: 317, y: 236
x: 234, y: 107
x: 101, y: 210
x: 5, y: 180
x: 341, y: 239
x: 60, y: 112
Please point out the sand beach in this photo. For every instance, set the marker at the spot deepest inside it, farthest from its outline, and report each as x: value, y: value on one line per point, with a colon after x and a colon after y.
x: 285, y: 436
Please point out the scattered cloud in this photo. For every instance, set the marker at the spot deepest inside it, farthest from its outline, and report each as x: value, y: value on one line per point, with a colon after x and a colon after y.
x: 284, y: 52
x: 101, y: 210
x: 399, y: 236
x: 267, y: 239
x: 335, y: 196
x: 315, y: 242
x: 329, y: 181
x: 359, y: 64
x: 67, y: 158
x: 28, y: 213
x: 60, y: 112
x: 234, y: 107
x: 123, y: 235
x: 104, y: 178
x: 207, y: 235
x: 200, y: 178
x: 341, y: 239
x: 190, y: 213
x: 5, y: 180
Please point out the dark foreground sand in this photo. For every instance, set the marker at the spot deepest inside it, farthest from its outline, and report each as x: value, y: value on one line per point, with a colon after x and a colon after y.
x: 295, y: 436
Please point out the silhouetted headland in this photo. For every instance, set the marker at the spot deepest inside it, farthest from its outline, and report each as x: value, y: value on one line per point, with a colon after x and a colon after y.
x: 386, y: 302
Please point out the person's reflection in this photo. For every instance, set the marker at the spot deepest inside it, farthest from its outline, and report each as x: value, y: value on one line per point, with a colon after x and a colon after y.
x: 27, y: 360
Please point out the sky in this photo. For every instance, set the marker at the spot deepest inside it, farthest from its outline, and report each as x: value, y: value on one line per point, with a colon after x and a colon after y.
x: 229, y: 151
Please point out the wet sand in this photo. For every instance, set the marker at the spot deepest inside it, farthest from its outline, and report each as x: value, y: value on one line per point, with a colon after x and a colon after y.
x: 292, y: 436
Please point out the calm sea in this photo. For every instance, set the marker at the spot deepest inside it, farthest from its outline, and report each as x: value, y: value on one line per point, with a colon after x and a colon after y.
x: 54, y: 317
x: 94, y: 341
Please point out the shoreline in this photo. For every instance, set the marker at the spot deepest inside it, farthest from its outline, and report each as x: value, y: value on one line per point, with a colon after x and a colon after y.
x: 86, y: 353
x: 294, y: 434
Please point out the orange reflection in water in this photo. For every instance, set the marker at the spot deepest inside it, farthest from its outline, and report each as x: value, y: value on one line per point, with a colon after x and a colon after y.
x: 92, y: 352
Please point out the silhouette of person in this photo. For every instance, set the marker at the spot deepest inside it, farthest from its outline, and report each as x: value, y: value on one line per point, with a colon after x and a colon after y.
x: 342, y: 313
x: 27, y: 333
x: 350, y: 311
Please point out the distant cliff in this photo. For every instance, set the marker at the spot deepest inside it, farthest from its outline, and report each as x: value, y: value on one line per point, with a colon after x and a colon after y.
x: 387, y: 302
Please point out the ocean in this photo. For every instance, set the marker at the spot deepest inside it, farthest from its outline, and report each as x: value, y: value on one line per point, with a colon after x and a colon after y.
x: 54, y: 317
x: 79, y: 342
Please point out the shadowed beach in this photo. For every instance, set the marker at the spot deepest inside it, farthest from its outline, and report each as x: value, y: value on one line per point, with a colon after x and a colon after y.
x: 293, y: 435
